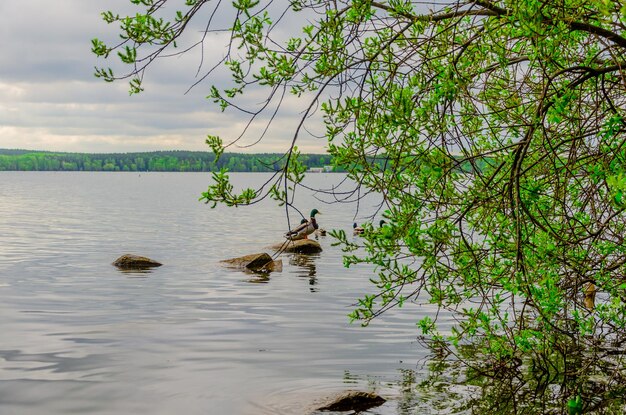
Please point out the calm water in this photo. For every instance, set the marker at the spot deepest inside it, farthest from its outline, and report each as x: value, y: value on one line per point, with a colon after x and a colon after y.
x: 80, y: 337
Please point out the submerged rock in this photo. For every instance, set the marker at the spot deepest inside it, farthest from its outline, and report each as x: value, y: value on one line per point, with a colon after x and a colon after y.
x: 352, y: 401
x: 261, y: 262
x: 301, y: 246
x: 129, y: 261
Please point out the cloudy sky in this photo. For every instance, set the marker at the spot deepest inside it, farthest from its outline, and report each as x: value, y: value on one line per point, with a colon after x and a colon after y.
x: 50, y: 100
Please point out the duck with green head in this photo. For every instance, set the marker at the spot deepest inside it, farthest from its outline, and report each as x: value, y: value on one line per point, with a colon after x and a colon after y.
x: 305, y: 228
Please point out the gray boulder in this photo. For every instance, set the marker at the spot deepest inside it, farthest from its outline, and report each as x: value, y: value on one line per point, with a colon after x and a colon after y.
x: 261, y: 262
x: 129, y: 261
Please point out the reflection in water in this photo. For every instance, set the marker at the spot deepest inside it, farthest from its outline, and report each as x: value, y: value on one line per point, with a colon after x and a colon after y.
x: 470, y: 383
x: 259, y: 278
x: 306, y: 267
x: 136, y: 273
x: 405, y: 396
x: 568, y: 379
x: 409, y: 394
x: 53, y: 365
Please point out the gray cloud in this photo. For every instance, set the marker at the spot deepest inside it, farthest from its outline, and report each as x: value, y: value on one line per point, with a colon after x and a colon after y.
x: 49, y: 99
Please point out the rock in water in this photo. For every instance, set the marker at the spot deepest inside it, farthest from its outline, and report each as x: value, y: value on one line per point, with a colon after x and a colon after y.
x: 255, y: 262
x: 353, y: 401
x: 130, y: 261
x: 301, y: 246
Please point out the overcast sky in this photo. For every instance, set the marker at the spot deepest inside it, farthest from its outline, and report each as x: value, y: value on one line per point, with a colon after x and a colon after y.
x: 50, y: 100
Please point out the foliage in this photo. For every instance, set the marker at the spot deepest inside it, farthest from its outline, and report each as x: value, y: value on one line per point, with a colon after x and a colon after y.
x: 178, y: 161
x: 530, y: 95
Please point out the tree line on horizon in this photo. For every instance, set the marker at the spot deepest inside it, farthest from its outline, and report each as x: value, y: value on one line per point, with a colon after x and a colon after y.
x: 164, y: 161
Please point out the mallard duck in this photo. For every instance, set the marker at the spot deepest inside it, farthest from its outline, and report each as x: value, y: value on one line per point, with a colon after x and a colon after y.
x: 357, y: 230
x: 305, y: 228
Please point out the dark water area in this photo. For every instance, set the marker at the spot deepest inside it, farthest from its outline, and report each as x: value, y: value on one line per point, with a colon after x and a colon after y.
x: 191, y: 337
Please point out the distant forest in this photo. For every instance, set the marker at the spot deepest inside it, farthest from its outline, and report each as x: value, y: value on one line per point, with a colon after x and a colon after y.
x: 174, y: 161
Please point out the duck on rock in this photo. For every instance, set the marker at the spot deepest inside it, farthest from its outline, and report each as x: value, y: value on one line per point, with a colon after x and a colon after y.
x: 305, y: 228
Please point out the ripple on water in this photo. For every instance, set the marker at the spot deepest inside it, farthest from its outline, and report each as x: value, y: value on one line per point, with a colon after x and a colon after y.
x: 79, y: 336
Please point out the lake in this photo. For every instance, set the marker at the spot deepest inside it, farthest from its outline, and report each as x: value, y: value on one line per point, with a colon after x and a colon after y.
x: 190, y: 337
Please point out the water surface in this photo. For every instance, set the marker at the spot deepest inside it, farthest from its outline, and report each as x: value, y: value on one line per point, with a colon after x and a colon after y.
x: 191, y: 337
